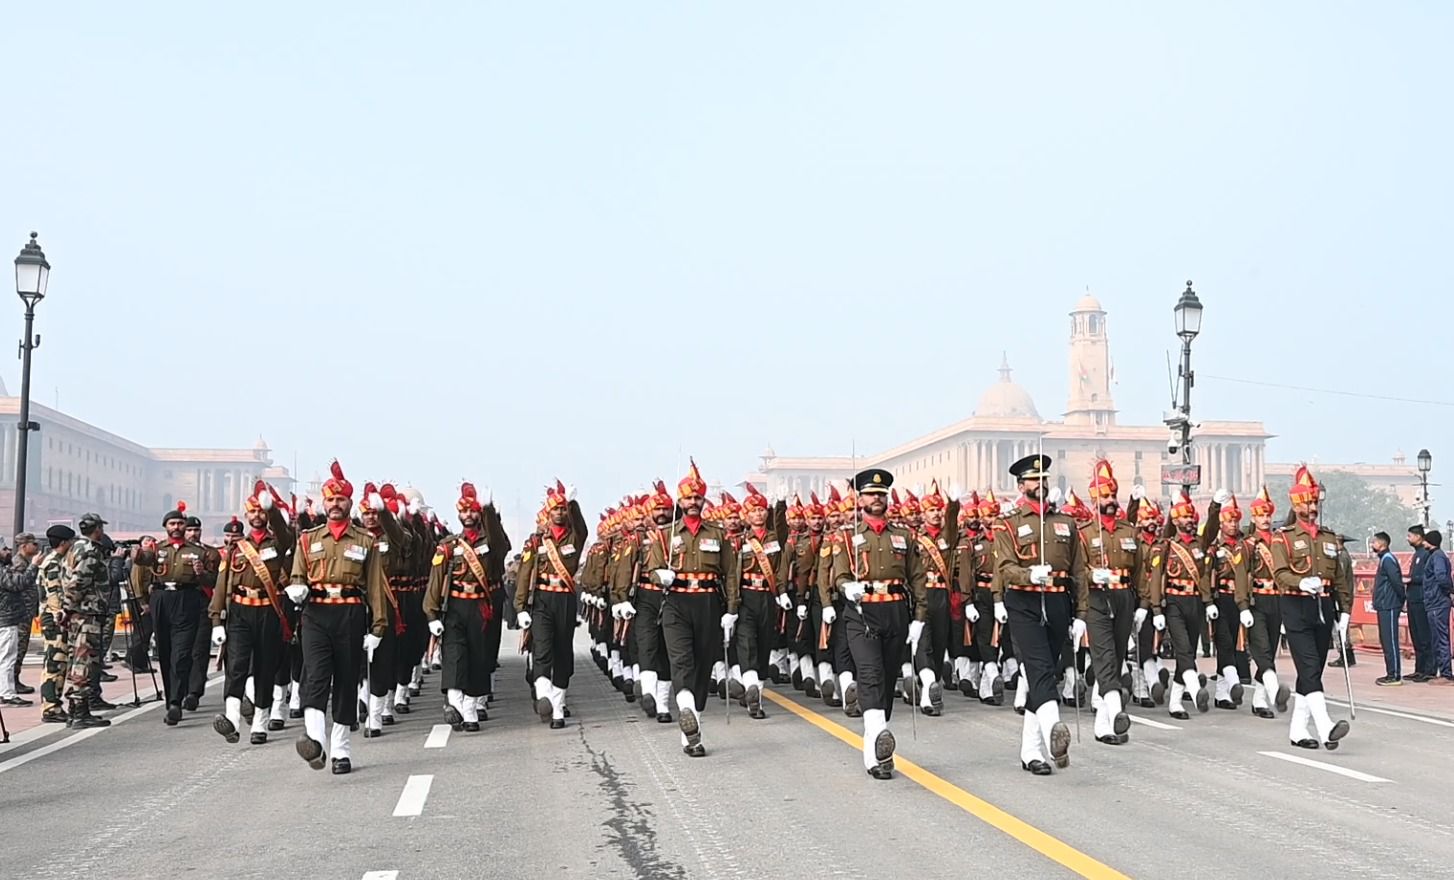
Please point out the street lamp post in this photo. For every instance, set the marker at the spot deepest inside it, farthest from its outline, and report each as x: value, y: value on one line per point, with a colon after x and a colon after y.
x: 32, y: 274
x: 1188, y: 312
x: 1426, y: 464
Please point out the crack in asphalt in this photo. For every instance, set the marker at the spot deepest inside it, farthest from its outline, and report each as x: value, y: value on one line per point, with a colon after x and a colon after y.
x: 630, y: 829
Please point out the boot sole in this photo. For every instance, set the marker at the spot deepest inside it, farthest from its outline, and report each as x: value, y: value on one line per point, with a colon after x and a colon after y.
x: 690, y: 728
x: 542, y: 708
x: 310, y: 750
x: 1283, y: 696
x: 1122, y: 724
x: 883, y: 746
x: 226, y: 728
x: 1060, y: 744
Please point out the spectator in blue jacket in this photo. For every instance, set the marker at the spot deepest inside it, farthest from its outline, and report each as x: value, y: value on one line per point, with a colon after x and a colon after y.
x: 1418, y: 615
x: 1388, y: 602
x: 1438, y: 587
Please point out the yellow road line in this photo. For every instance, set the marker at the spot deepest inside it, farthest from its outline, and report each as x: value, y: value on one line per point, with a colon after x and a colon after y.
x: 1050, y: 847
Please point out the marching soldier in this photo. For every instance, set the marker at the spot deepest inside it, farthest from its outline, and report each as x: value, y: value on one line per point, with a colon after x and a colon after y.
x: 1232, y: 596
x: 764, y: 592
x: 247, y: 612
x: 546, y: 604
x: 1038, y: 584
x: 936, y: 539
x: 1113, y: 570
x: 1266, y: 628
x: 700, y: 610
x: 459, y: 581
x: 395, y: 547
x: 1182, y: 580
x: 975, y: 572
x: 1149, y: 680
x: 1316, y: 596
x: 177, y: 607
x: 806, y: 551
x: 338, y: 578
x: 879, y: 572
x: 211, y: 563
x: 53, y: 624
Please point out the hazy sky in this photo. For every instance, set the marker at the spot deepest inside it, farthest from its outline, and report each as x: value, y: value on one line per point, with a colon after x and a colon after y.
x: 510, y: 241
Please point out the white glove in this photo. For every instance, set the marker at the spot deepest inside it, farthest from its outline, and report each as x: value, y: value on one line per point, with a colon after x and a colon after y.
x: 802, y: 612
x: 628, y: 611
x: 1077, y: 631
x: 1040, y: 575
x: 665, y: 576
x: 298, y: 593
x: 1246, y: 618
x: 1055, y: 496
x: 1139, y: 618
x: 219, y: 635
x: 1212, y: 612
x: 376, y: 502
x: 853, y: 591
x: 1222, y: 496
x: 616, y: 611
x: 522, y: 620
x: 265, y: 500
x: 570, y: 492
x: 1002, y: 615
x: 436, y: 628
x: 728, y: 622
x: 971, y: 613
x: 1313, y: 586
x: 487, y: 497
x: 1343, y: 626
x: 1138, y: 492
x: 1158, y: 623
x: 371, y: 644
x: 1101, y: 576
x: 916, y: 631
x: 829, y: 615
x: 784, y: 601
x: 413, y: 508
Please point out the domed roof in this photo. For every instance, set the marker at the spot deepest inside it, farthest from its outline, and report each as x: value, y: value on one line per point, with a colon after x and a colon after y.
x: 1005, y: 399
x: 1088, y: 303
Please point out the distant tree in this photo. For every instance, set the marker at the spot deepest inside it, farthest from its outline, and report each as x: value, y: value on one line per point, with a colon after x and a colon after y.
x: 1351, y: 507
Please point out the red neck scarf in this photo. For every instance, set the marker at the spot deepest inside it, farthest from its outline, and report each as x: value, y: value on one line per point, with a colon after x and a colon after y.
x: 693, y: 524
x: 760, y: 533
x: 1108, y: 522
x: 932, y: 530
x: 1187, y: 537
x: 176, y: 542
x: 471, y: 536
x: 337, y: 528
x: 557, y: 532
x: 878, y: 524
x: 259, y: 535
x: 1035, y: 507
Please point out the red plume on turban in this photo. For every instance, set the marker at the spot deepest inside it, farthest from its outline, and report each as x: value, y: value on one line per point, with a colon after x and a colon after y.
x: 338, y: 484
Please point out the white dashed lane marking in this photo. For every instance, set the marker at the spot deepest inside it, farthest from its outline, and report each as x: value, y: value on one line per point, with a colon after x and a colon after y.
x: 1331, y: 768
x: 438, y: 737
x: 412, y: 798
x: 1156, y: 724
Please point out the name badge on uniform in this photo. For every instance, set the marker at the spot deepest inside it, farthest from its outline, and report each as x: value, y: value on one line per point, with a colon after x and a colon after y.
x: 746, y: 549
x: 772, y: 547
x: 355, y: 552
x: 1025, y: 531
x: 567, y: 550
x: 1330, y: 550
x: 710, y: 545
x: 315, y: 547
x: 1196, y: 552
x: 1062, y: 530
x: 189, y: 557
x: 859, y: 540
x: 268, y: 553
x: 1299, y: 544
x: 1128, y: 543
x: 1095, y: 542
x: 676, y: 540
x: 943, y: 545
x: 482, y: 549
x: 383, y: 546
x: 898, y: 542
x: 979, y: 548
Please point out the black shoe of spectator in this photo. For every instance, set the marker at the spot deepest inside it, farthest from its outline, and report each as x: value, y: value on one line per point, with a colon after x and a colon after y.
x: 190, y: 703
x: 23, y: 688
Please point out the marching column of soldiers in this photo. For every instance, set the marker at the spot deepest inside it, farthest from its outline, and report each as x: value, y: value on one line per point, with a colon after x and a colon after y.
x: 860, y: 599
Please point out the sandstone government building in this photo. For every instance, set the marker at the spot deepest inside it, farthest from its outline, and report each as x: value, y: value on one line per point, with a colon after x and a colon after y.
x: 974, y: 453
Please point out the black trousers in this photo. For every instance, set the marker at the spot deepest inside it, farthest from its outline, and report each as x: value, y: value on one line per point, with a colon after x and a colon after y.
x: 841, y: 656
x: 201, y: 651
x: 412, y: 644
x: 756, y: 629
x: 553, y: 627
x: 177, y: 614
x: 383, y: 669
x: 691, y: 625
x: 984, y: 628
x: 646, y: 633
x: 876, y: 634
x: 1185, y: 621
x: 332, y: 657
x: 1266, y: 632
x: 290, y: 664
x: 813, y: 632
x: 254, y: 647
x: 495, y: 629
x: 1039, y: 622
x: 1308, y: 637
x: 1422, y: 638
x: 467, y: 644
x: 934, y: 644
x: 1224, y: 631
x: 1109, y: 623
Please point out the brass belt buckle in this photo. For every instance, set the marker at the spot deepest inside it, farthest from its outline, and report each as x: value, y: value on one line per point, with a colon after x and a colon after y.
x: 334, y: 592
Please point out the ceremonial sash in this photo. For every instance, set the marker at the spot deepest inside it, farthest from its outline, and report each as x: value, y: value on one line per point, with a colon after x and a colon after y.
x: 1185, y: 556
x: 928, y: 544
x: 1265, y: 554
x: 260, y: 569
x: 763, y: 562
x: 558, y: 563
x: 472, y: 559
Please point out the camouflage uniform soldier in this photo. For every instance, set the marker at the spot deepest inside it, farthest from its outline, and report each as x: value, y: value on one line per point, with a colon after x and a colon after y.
x: 52, y: 623
x: 86, y: 581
